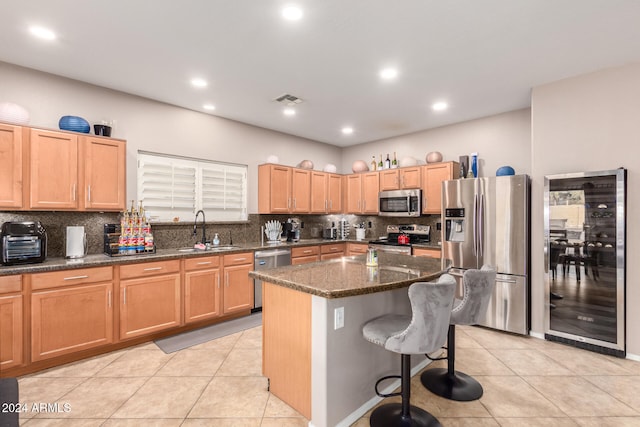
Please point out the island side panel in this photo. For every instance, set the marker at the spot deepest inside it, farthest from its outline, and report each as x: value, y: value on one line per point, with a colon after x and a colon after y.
x: 286, y: 355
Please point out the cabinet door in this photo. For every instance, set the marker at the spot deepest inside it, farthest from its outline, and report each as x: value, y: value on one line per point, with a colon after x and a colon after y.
x: 202, y: 295
x: 354, y: 194
x: 357, y: 248
x: 410, y: 178
x: 432, y: 177
x: 149, y: 304
x: 10, y: 166
x: 53, y: 170
x: 300, y: 191
x: 389, y: 180
x: 68, y: 320
x: 104, y: 174
x: 11, y: 330
x: 319, y: 196
x: 335, y: 193
x: 305, y: 259
x: 274, y: 189
x: 370, y: 190
x: 426, y: 252
x: 237, y: 294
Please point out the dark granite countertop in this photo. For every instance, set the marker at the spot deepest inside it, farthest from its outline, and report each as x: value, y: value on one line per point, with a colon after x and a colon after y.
x: 350, y: 276
x: 100, y: 260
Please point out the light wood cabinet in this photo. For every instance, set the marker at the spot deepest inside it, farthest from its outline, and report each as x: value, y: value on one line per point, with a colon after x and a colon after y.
x: 357, y: 248
x: 398, y: 179
x: 150, y: 298
x: 237, y: 293
x: 201, y: 289
x: 103, y: 168
x: 68, y: 319
x: 53, y: 175
x: 332, y: 251
x: 326, y: 192
x: 361, y: 193
x: 305, y: 254
x: 427, y: 252
x: 432, y: 177
x: 11, y: 166
x: 11, y: 322
x: 300, y: 190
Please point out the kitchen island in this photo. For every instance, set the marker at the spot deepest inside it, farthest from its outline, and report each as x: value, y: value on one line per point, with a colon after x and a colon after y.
x: 313, y: 351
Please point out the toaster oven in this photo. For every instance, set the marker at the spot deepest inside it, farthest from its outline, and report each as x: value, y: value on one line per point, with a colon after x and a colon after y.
x: 23, y: 243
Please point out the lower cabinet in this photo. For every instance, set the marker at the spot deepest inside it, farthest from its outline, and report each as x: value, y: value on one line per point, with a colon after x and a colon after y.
x: 332, y: 251
x: 150, y: 299
x: 201, y: 289
x: 11, y: 331
x: 237, y: 293
x: 357, y: 248
x: 70, y: 319
x: 426, y: 252
x: 305, y: 254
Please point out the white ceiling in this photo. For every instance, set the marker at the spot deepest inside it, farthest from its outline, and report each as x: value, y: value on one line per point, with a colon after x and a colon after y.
x: 481, y: 56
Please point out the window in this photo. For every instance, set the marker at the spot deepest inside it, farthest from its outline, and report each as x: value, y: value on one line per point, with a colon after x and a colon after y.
x: 172, y: 187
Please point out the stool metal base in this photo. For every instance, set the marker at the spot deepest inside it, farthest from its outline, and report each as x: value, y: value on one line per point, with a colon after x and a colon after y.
x: 390, y: 415
x: 459, y: 386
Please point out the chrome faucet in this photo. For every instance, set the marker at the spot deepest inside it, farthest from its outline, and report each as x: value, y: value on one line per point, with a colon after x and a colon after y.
x: 195, y: 225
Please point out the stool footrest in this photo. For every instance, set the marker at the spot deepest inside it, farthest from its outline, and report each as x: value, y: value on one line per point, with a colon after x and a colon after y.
x: 387, y: 378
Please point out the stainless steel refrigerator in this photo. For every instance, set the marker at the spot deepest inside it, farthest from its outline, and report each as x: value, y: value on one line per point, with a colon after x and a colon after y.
x: 487, y: 221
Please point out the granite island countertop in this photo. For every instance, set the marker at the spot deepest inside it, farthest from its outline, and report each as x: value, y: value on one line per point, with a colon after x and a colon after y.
x: 350, y: 276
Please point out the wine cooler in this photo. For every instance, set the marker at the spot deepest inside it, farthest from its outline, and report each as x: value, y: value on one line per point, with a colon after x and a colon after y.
x: 585, y: 236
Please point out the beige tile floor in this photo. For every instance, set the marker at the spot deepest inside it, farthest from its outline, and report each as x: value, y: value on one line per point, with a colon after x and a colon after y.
x: 527, y: 382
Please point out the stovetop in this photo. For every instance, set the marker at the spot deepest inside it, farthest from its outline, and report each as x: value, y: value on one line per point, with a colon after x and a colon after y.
x: 417, y: 234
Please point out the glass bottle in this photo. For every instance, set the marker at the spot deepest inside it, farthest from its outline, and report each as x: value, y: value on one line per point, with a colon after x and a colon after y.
x: 387, y: 162
x: 394, y: 162
x: 374, y: 164
x: 380, y: 164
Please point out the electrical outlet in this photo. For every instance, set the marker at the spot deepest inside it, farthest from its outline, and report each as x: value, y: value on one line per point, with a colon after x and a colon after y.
x: 338, y: 318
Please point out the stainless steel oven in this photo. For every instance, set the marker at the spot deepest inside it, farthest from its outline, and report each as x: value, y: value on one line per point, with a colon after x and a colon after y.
x: 404, y: 203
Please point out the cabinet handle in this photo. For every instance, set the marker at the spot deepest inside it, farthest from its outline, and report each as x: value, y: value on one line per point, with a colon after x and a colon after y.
x: 295, y: 203
x: 240, y: 259
x: 88, y: 193
x: 73, y: 192
x: 109, y: 299
x: 288, y: 202
x: 330, y: 204
x: 204, y: 262
x: 308, y: 251
x: 226, y: 279
x: 358, y: 205
x: 75, y: 277
x: 326, y: 205
x: 218, y: 276
x: 152, y: 269
x: 364, y: 206
x: 124, y: 296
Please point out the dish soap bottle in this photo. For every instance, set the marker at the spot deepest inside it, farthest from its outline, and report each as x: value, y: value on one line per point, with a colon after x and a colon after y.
x: 216, y: 240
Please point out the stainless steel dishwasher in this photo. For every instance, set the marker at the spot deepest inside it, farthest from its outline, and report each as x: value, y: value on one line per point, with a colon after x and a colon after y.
x: 270, y: 258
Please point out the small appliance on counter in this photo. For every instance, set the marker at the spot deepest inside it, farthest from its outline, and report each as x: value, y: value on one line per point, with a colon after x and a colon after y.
x: 330, y: 233
x: 76, y: 242
x: 291, y: 229
x: 23, y: 243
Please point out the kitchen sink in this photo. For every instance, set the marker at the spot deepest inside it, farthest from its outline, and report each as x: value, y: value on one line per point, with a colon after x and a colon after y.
x: 222, y: 248
x: 212, y: 249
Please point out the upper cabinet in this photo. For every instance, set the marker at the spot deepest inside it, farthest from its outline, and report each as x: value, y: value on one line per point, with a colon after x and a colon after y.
x: 326, y: 192
x: 283, y: 189
x: 432, y: 177
x: 400, y: 179
x: 11, y: 158
x: 56, y: 170
x: 362, y: 193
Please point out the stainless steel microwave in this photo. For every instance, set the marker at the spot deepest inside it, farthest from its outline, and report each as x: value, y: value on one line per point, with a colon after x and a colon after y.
x: 403, y: 203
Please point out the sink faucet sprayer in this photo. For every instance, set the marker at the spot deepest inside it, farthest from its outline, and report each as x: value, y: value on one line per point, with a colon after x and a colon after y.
x: 195, y: 225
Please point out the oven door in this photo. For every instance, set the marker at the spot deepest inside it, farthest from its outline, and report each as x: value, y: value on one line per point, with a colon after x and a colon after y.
x: 405, y: 250
x: 404, y: 203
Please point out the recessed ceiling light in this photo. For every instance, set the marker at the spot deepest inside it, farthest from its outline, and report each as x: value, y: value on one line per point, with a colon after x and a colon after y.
x: 291, y: 13
x: 389, y: 74
x: 289, y: 112
x: 198, y: 82
x: 42, y: 33
x: 209, y: 107
x: 439, y: 106
x: 347, y: 130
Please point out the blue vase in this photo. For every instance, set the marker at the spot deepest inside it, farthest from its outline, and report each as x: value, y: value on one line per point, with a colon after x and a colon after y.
x: 505, y: 170
x: 74, y: 123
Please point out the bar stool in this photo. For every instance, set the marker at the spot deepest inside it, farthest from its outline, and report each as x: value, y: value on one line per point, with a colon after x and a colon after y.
x: 424, y: 331
x: 449, y: 383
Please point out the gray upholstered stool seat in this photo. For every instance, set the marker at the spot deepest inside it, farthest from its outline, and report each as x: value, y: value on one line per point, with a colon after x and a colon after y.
x: 449, y: 383
x: 423, y: 332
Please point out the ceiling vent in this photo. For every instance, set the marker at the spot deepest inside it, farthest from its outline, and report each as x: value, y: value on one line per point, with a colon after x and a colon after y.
x: 289, y: 100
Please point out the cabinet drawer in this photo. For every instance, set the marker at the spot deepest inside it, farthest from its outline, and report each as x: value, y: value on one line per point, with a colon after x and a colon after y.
x: 201, y: 263
x: 430, y: 253
x: 332, y: 249
x: 56, y: 279
x: 10, y: 284
x: 149, y: 269
x: 305, y: 251
x: 357, y: 248
x: 304, y: 259
x: 238, y: 259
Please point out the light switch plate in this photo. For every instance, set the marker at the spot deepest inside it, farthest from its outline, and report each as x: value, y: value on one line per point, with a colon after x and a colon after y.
x: 338, y: 318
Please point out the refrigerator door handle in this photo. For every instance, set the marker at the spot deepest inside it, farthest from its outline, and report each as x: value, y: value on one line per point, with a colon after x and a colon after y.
x: 475, y: 223
x: 506, y: 280
x: 481, y: 226
x: 546, y: 255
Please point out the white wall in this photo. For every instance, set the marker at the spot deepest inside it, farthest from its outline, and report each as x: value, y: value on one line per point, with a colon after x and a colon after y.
x: 588, y: 123
x: 154, y: 126
x: 503, y: 139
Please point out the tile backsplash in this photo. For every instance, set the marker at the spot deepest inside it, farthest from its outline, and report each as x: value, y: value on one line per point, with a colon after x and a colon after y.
x: 178, y: 235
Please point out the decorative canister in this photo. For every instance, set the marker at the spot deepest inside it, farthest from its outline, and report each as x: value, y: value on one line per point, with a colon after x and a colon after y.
x: 74, y: 123
x: 434, y: 157
x: 359, y: 166
x: 13, y: 113
x: 306, y: 164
